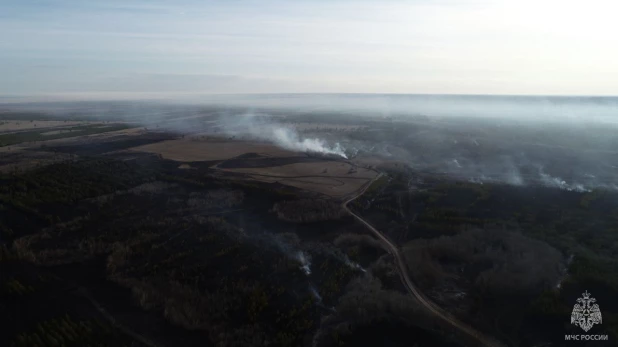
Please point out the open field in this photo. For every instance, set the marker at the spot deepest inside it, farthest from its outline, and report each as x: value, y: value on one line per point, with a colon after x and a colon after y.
x: 321, y: 169
x: 33, y: 136
x: 267, y: 164
x: 69, y: 145
x: 188, y: 150
x: 332, y: 178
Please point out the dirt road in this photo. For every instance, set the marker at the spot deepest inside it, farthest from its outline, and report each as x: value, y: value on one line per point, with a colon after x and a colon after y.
x: 405, y: 278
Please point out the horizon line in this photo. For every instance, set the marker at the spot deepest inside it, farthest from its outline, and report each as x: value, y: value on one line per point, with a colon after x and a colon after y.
x: 167, y: 96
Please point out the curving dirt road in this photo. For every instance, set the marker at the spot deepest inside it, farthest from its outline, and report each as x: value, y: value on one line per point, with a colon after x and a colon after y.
x: 405, y: 278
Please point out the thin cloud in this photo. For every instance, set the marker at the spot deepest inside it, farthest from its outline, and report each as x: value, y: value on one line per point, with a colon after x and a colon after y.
x: 469, y: 47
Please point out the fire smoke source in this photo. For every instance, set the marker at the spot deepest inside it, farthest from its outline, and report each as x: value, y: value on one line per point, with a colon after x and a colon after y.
x: 315, y: 294
x: 304, y: 261
x: 288, y: 248
x: 352, y: 264
x: 286, y: 137
x: 557, y: 182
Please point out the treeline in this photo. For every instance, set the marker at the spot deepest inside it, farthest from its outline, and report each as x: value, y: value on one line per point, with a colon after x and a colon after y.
x: 69, y: 182
x: 64, y: 331
x: 493, y: 274
x: 164, y: 235
x: 496, y: 262
x: 367, y: 308
x: 202, y: 273
x: 42, y: 197
x: 485, y: 272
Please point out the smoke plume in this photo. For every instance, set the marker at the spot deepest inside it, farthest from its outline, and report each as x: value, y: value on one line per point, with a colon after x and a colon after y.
x: 265, y: 128
x: 305, y: 262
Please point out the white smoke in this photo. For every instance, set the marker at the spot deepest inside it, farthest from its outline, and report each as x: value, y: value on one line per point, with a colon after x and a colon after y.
x: 288, y: 138
x: 264, y: 128
x: 318, y: 298
x: 331, y: 250
x: 502, y: 171
x: 315, y: 294
x: 558, y: 182
x: 304, y: 261
x: 514, y: 178
x: 351, y: 264
x: 288, y: 245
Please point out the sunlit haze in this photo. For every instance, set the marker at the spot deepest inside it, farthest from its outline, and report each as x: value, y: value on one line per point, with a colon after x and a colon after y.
x: 113, y: 48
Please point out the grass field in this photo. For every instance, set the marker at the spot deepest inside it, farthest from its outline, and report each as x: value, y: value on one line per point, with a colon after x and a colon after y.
x: 45, y: 134
x: 332, y: 178
x: 185, y: 150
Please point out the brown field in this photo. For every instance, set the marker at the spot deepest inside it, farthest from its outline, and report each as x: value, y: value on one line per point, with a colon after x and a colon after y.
x: 332, y: 178
x: 187, y: 150
x: 74, y: 140
x: 30, y: 155
x: 321, y: 169
x: 333, y: 187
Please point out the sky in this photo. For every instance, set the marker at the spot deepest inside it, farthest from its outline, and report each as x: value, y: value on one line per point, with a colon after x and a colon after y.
x: 114, y: 48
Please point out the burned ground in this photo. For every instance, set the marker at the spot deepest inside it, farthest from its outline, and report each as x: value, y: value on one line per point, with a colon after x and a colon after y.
x: 257, y: 161
x: 173, y: 256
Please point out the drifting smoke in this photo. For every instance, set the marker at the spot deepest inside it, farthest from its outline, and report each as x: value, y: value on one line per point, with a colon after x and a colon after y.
x: 353, y: 265
x: 565, y: 271
x: 318, y: 298
x: 330, y: 250
x: 261, y: 127
x: 504, y: 171
x: 285, y: 243
x: 315, y: 294
x: 304, y: 261
x: 496, y: 139
x: 288, y: 244
x: 557, y: 182
x: 534, y: 109
x: 288, y: 138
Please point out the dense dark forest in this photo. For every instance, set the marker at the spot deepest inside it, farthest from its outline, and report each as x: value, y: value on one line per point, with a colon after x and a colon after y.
x: 100, y: 251
x: 513, y: 260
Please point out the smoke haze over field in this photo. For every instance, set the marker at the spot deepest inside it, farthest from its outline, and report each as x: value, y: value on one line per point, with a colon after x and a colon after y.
x: 542, y: 109
x: 563, y: 142
x: 563, y: 110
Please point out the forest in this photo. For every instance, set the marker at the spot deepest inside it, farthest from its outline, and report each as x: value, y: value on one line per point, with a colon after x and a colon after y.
x: 509, y: 259
x: 196, y: 258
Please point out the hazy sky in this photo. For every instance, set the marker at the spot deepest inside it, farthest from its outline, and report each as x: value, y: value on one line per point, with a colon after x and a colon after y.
x: 117, y: 47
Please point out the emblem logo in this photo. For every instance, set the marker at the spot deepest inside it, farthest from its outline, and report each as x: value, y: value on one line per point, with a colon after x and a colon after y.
x: 586, y: 312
